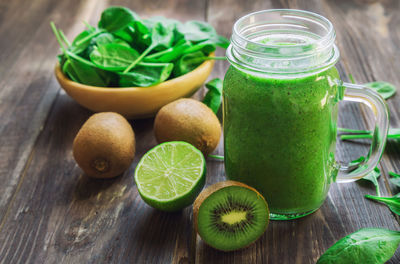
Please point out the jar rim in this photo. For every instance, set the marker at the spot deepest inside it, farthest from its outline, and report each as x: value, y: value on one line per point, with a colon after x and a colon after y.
x: 283, y: 41
x: 322, y: 18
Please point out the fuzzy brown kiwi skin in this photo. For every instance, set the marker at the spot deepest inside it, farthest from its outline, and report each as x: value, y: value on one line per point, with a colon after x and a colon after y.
x: 188, y: 120
x: 105, y: 145
x: 213, y: 188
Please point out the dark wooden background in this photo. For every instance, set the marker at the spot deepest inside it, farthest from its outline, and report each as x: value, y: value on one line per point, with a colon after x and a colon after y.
x: 51, y: 213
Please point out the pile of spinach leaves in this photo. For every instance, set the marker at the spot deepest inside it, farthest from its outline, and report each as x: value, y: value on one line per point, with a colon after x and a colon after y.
x: 125, y: 50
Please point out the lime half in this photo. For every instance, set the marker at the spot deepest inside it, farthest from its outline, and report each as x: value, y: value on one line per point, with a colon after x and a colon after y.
x: 170, y: 176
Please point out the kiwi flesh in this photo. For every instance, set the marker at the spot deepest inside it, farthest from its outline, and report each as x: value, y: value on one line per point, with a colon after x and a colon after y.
x: 230, y: 215
x: 105, y: 145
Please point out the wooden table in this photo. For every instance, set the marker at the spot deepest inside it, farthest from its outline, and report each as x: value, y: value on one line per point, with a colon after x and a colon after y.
x: 51, y: 213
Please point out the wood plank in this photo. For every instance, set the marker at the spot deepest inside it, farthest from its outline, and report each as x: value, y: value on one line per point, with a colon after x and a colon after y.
x: 27, y: 86
x: 59, y: 215
x: 345, y: 210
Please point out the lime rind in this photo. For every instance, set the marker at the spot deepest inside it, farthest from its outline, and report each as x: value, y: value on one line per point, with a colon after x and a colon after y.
x: 170, y: 175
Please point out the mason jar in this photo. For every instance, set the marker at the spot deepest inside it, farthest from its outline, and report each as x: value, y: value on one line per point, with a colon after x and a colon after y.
x: 280, y: 108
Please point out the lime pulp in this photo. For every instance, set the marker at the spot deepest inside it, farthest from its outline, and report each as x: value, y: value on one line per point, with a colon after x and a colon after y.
x: 170, y: 176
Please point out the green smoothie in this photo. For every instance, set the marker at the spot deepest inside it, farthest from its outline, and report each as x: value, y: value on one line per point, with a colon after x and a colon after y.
x: 280, y: 136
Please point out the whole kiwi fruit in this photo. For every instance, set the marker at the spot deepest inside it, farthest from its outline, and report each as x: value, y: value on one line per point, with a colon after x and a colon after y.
x: 230, y: 215
x: 105, y: 145
x: 188, y: 120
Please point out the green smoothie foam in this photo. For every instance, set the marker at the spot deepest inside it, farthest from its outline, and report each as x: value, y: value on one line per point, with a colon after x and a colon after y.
x: 280, y: 136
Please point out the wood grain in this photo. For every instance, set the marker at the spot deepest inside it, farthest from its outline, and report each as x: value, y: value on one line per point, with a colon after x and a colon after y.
x: 51, y: 213
x: 56, y: 214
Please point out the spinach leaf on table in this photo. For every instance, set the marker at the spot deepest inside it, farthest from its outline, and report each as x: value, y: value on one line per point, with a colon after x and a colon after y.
x: 385, y: 89
x: 394, y: 133
x: 392, y: 202
x: 373, y: 177
x: 395, y: 179
x: 366, y: 246
x: 213, y: 97
x: 146, y: 74
x: 113, y: 57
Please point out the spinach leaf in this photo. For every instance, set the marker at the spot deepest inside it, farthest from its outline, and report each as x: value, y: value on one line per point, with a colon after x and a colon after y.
x: 395, y: 180
x: 116, y: 18
x: 385, y: 89
x: 170, y: 54
x: 81, y: 42
x: 188, y: 63
x: 127, y: 33
x: 394, y: 133
x: 367, y: 246
x: 160, y: 37
x: 87, y: 72
x: 70, y: 72
x: 392, y: 202
x: 206, y: 47
x: 146, y: 74
x: 103, y: 38
x: 213, y: 98
x: 197, y: 31
x: 373, y: 177
x: 113, y: 57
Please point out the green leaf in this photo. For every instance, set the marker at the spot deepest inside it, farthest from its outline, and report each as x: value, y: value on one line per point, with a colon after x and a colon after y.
x: 366, y: 246
x: 395, y: 180
x: 206, y: 47
x: 170, y: 54
x: 394, y: 133
x: 70, y: 72
x: 356, y: 162
x: 81, y: 42
x: 385, y: 89
x: 213, y: 98
x: 113, y: 57
x: 373, y: 177
x: 103, y: 38
x: 392, y: 202
x: 86, y: 71
x: 197, y: 31
x: 160, y: 37
x: 188, y: 63
x: 116, y: 18
x: 146, y: 74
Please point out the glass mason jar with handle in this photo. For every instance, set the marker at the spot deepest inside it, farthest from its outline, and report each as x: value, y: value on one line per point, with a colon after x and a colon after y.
x: 280, y: 104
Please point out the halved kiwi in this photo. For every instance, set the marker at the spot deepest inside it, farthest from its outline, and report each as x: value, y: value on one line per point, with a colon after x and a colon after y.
x: 230, y: 215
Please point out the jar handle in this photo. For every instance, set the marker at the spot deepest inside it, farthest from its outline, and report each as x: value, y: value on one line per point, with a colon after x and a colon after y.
x: 367, y: 96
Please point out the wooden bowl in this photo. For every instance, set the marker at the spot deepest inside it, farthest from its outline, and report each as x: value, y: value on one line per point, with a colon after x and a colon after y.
x: 135, y: 102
